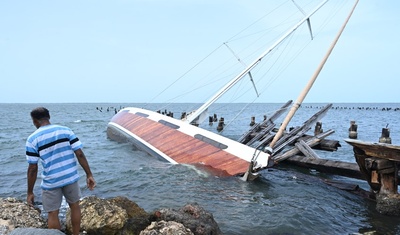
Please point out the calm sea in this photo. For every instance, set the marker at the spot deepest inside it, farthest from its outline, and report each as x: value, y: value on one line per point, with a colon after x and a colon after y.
x: 284, y: 200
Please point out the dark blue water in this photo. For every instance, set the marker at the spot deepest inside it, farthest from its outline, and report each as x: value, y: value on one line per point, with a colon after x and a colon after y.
x: 285, y: 200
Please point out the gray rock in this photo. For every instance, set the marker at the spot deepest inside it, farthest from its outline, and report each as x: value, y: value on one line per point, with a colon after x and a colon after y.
x: 138, y: 218
x: 17, y: 214
x: 110, y: 216
x: 36, y: 231
x: 166, y: 228
x: 192, y: 216
x: 99, y: 216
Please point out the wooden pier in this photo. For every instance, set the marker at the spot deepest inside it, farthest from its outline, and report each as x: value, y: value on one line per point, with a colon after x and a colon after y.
x: 379, y: 163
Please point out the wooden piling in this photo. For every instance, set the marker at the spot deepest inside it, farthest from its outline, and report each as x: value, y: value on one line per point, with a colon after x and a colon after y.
x: 253, y: 121
x: 221, y: 124
x: 353, y: 130
x: 383, y: 173
x: 318, y: 128
x: 385, y: 137
x: 183, y: 115
x: 215, y: 118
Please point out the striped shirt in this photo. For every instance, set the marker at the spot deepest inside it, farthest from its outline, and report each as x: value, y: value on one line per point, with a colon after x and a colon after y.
x: 54, y: 145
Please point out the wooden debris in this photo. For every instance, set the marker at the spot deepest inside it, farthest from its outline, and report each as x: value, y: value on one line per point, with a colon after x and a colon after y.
x: 379, y: 162
x: 306, y: 150
x: 258, y: 130
x: 293, y: 142
x: 346, y: 169
x: 294, y: 150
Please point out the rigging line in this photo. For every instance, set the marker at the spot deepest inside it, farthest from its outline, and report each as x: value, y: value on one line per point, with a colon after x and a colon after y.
x: 204, y: 85
x: 263, y: 64
x: 274, y: 63
x: 197, y: 88
x: 271, y: 66
x: 217, y: 77
x: 237, y: 115
x: 243, y: 109
x: 298, y: 7
x: 288, y: 21
x: 308, y: 20
x: 288, y: 40
x: 244, y: 65
x: 288, y: 47
x: 291, y: 60
x: 333, y: 13
x: 184, y: 74
x: 264, y: 34
x: 264, y: 31
x: 279, y: 73
x: 283, y: 22
x: 256, y: 21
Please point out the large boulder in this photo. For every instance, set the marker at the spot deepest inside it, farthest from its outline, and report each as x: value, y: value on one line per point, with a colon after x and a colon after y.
x: 166, y: 228
x: 110, y: 216
x: 15, y: 213
x: 192, y: 216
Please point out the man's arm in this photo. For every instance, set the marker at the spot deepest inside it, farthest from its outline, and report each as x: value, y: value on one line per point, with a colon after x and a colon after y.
x: 91, y: 183
x: 31, y: 175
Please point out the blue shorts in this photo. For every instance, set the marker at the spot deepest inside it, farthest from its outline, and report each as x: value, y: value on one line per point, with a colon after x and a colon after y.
x: 52, y: 198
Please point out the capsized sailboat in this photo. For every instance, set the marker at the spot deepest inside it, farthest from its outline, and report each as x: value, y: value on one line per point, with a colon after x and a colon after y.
x: 183, y: 142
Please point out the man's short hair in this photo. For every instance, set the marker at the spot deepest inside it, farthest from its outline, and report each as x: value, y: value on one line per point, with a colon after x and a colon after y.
x: 40, y: 113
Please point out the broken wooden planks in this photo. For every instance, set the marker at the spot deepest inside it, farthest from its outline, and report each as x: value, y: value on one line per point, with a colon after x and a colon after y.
x: 257, y: 131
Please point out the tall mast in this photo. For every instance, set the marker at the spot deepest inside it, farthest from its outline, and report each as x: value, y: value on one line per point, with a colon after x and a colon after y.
x: 235, y: 80
x: 305, y: 91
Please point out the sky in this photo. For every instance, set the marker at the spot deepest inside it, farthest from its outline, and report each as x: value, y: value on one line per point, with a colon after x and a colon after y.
x: 125, y: 51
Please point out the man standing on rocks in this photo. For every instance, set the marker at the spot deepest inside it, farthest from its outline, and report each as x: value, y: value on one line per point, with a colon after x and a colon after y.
x: 56, y: 147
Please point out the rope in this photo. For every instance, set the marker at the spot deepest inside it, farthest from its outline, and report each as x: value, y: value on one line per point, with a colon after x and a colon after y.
x: 246, y: 28
x: 183, y: 75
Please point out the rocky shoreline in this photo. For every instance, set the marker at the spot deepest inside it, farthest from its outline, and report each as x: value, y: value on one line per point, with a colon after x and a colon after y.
x: 117, y: 215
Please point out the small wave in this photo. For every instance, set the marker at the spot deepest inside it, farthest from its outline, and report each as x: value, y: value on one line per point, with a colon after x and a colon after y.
x: 78, y: 120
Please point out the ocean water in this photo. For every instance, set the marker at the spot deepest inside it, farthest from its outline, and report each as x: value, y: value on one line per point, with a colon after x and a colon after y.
x: 284, y: 200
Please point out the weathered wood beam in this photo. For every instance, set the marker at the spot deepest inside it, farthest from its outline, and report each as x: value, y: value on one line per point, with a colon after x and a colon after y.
x: 263, y: 133
x: 347, y: 169
x: 290, y: 138
x: 380, y: 150
x: 305, y: 149
x: 298, y: 132
x: 245, y: 137
x: 293, y: 151
x: 325, y: 144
